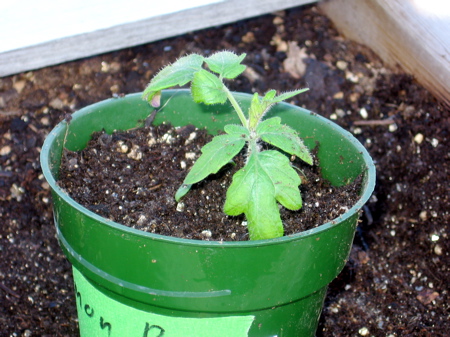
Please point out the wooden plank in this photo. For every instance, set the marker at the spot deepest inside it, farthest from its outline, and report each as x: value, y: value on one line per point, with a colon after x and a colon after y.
x: 93, y: 27
x: 414, y: 34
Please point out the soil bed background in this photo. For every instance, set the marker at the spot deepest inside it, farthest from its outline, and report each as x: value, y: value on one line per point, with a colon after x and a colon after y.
x: 396, y: 281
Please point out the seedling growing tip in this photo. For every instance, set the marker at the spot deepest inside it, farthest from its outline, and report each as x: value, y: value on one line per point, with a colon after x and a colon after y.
x: 268, y: 177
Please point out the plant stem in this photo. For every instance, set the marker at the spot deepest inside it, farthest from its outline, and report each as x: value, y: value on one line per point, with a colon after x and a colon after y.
x: 236, y: 107
x: 252, y: 148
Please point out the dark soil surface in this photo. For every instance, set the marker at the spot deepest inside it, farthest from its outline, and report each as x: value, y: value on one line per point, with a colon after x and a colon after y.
x: 119, y: 177
x: 396, y: 281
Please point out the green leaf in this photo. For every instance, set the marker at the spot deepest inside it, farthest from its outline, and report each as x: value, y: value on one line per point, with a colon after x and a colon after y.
x: 182, y: 191
x: 283, y: 96
x: 216, y: 154
x: 212, y: 165
x: 267, y: 178
x: 237, y: 129
x: 178, y: 73
x: 284, y: 137
x: 226, y: 64
x: 257, y: 108
x: 270, y: 95
x: 207, y: 88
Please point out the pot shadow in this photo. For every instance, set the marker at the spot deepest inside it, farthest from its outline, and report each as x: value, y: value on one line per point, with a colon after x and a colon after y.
x: 361, y: 246
x: 335, y: 288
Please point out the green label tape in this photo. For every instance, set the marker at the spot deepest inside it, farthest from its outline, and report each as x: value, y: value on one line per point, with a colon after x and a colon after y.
x: 101, y: 316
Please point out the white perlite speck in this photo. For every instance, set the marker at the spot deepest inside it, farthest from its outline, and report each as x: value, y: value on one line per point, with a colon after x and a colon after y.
x: 207, y: 233
x: 418, y: 138
x: 135, y: 153
x: 122, y: 147
x: 363, y: 113
x: 363, y: 331
x: 180, y: 207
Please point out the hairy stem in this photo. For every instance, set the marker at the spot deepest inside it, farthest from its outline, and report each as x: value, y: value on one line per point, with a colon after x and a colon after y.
x: 252, y: 147
x: 236, y: 107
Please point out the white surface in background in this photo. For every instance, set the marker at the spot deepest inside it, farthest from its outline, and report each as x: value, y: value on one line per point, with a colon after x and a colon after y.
x: 26, y: 23
x: 437, y: 8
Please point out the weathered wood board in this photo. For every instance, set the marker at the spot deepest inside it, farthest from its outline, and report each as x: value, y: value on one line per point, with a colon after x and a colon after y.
x: 36, y: 34
x: 412, y: 34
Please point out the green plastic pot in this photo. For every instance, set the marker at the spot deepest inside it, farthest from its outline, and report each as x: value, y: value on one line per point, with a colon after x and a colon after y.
x: 133, y: 283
